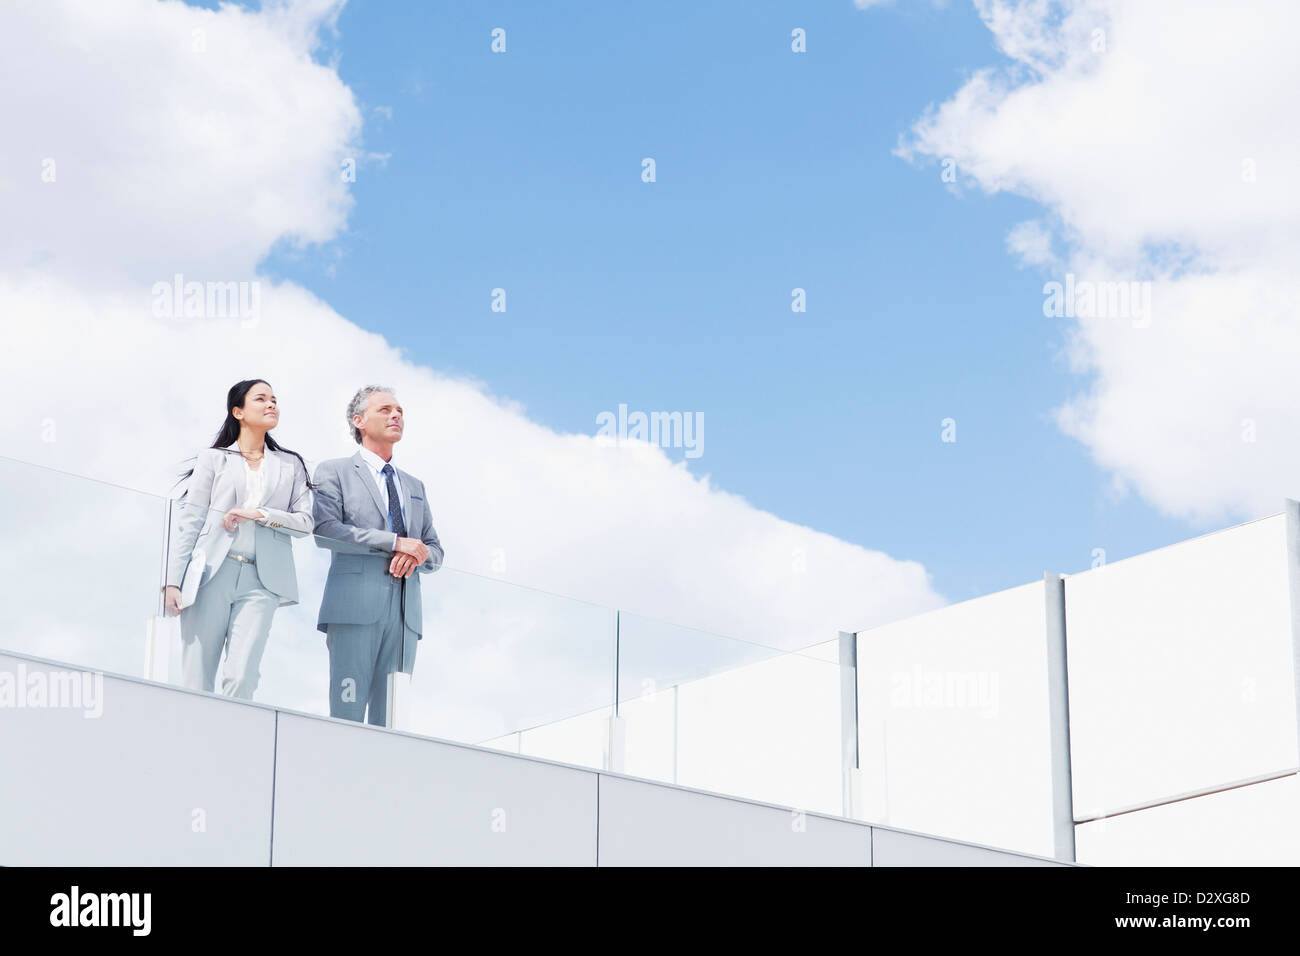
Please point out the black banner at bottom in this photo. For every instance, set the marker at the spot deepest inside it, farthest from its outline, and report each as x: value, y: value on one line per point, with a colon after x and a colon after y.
x: 930, y: 905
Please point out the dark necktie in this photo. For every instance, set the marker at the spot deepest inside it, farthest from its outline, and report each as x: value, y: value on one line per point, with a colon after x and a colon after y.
x: 394, y: 503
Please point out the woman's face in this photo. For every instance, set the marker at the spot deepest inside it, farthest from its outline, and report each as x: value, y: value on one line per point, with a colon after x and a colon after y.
x: 259, y: 411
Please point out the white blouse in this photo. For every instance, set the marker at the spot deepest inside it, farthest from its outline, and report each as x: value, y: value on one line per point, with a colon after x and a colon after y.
x: 254, y: 492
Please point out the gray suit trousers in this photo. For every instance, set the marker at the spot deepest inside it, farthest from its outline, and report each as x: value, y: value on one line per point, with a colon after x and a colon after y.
x: 233, y: 612
x: 363, y: 655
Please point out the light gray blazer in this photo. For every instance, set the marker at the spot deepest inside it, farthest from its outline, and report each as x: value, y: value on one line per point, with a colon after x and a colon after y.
x: 352, y: 522
x: 216, y: 486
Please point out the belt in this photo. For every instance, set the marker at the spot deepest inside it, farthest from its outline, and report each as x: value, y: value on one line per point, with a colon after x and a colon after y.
x: 242, y: 559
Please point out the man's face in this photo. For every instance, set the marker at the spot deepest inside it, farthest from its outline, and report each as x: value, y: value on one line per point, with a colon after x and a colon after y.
x: 382, y: 419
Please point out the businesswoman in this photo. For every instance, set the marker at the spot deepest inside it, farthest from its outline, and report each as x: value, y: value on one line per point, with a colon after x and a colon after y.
x: 231, y: 560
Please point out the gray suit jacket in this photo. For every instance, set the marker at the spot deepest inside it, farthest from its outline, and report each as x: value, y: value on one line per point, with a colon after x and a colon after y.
x: 351, y: 521
x: 216, y: 486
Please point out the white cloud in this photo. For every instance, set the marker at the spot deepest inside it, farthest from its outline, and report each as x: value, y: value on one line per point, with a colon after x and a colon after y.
x: 171, y: 160
x: 1161, y: 138
x: 182, y: 140
x: 1031, y: 243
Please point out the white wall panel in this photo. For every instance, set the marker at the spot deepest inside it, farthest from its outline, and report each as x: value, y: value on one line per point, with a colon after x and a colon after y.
x: 1255, y: 825
x: 644, y: 824
x: 159, y: 777
x: 348, y: 794
x: 894, y: 848
x: 1181, y: 670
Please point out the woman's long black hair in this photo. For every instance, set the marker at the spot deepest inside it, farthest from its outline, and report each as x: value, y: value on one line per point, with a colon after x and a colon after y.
x: 229, y: 431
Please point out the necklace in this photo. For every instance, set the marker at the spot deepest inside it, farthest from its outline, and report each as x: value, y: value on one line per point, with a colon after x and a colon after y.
x: 253, y: 457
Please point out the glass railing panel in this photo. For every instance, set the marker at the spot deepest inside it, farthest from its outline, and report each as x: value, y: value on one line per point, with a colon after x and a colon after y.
x: 652, y: 734
x: 582, y: 739
x: 497, y: 658
x: 721, y: 714
x: 79, y: 568
x: 954, y: 722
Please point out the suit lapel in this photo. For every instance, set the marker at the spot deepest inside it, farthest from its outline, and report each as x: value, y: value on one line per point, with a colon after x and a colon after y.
x: 270, y: 462
x: 231, y: 478
x: 367, y: 478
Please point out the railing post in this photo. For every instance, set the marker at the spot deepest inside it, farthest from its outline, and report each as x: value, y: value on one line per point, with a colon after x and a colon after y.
x: 616, y: 736
x: 157, y: 642
x: 675, y: 731
x: 1058, y: 704
x: 157, y: 649
x: 398, y: 713
x: 849, y: 759
x: 1292, y: 509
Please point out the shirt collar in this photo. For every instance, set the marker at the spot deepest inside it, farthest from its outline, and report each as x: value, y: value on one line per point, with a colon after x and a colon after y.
x: 375, y: 463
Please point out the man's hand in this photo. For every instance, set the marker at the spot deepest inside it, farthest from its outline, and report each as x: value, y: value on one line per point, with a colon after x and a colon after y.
x: 234, y: 516
x: 172, y: 601
x: 414, y: 547
x: 402, y: 565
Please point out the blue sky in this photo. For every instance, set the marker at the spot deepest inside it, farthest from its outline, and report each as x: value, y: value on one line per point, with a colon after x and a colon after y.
x: 774, y: 171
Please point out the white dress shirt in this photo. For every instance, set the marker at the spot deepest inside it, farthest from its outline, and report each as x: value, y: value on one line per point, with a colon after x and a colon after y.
x: 376, y: 466
x: 245, y: 542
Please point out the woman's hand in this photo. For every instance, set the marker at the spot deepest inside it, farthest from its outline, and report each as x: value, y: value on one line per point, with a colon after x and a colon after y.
x: 234, y: 516
x: 172, y: 601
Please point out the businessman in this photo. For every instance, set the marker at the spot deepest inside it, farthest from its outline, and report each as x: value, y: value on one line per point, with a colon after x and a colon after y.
x: 375, y: 518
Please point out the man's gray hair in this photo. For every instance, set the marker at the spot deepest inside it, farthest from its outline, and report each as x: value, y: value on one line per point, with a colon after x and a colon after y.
x: 358, y: 405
